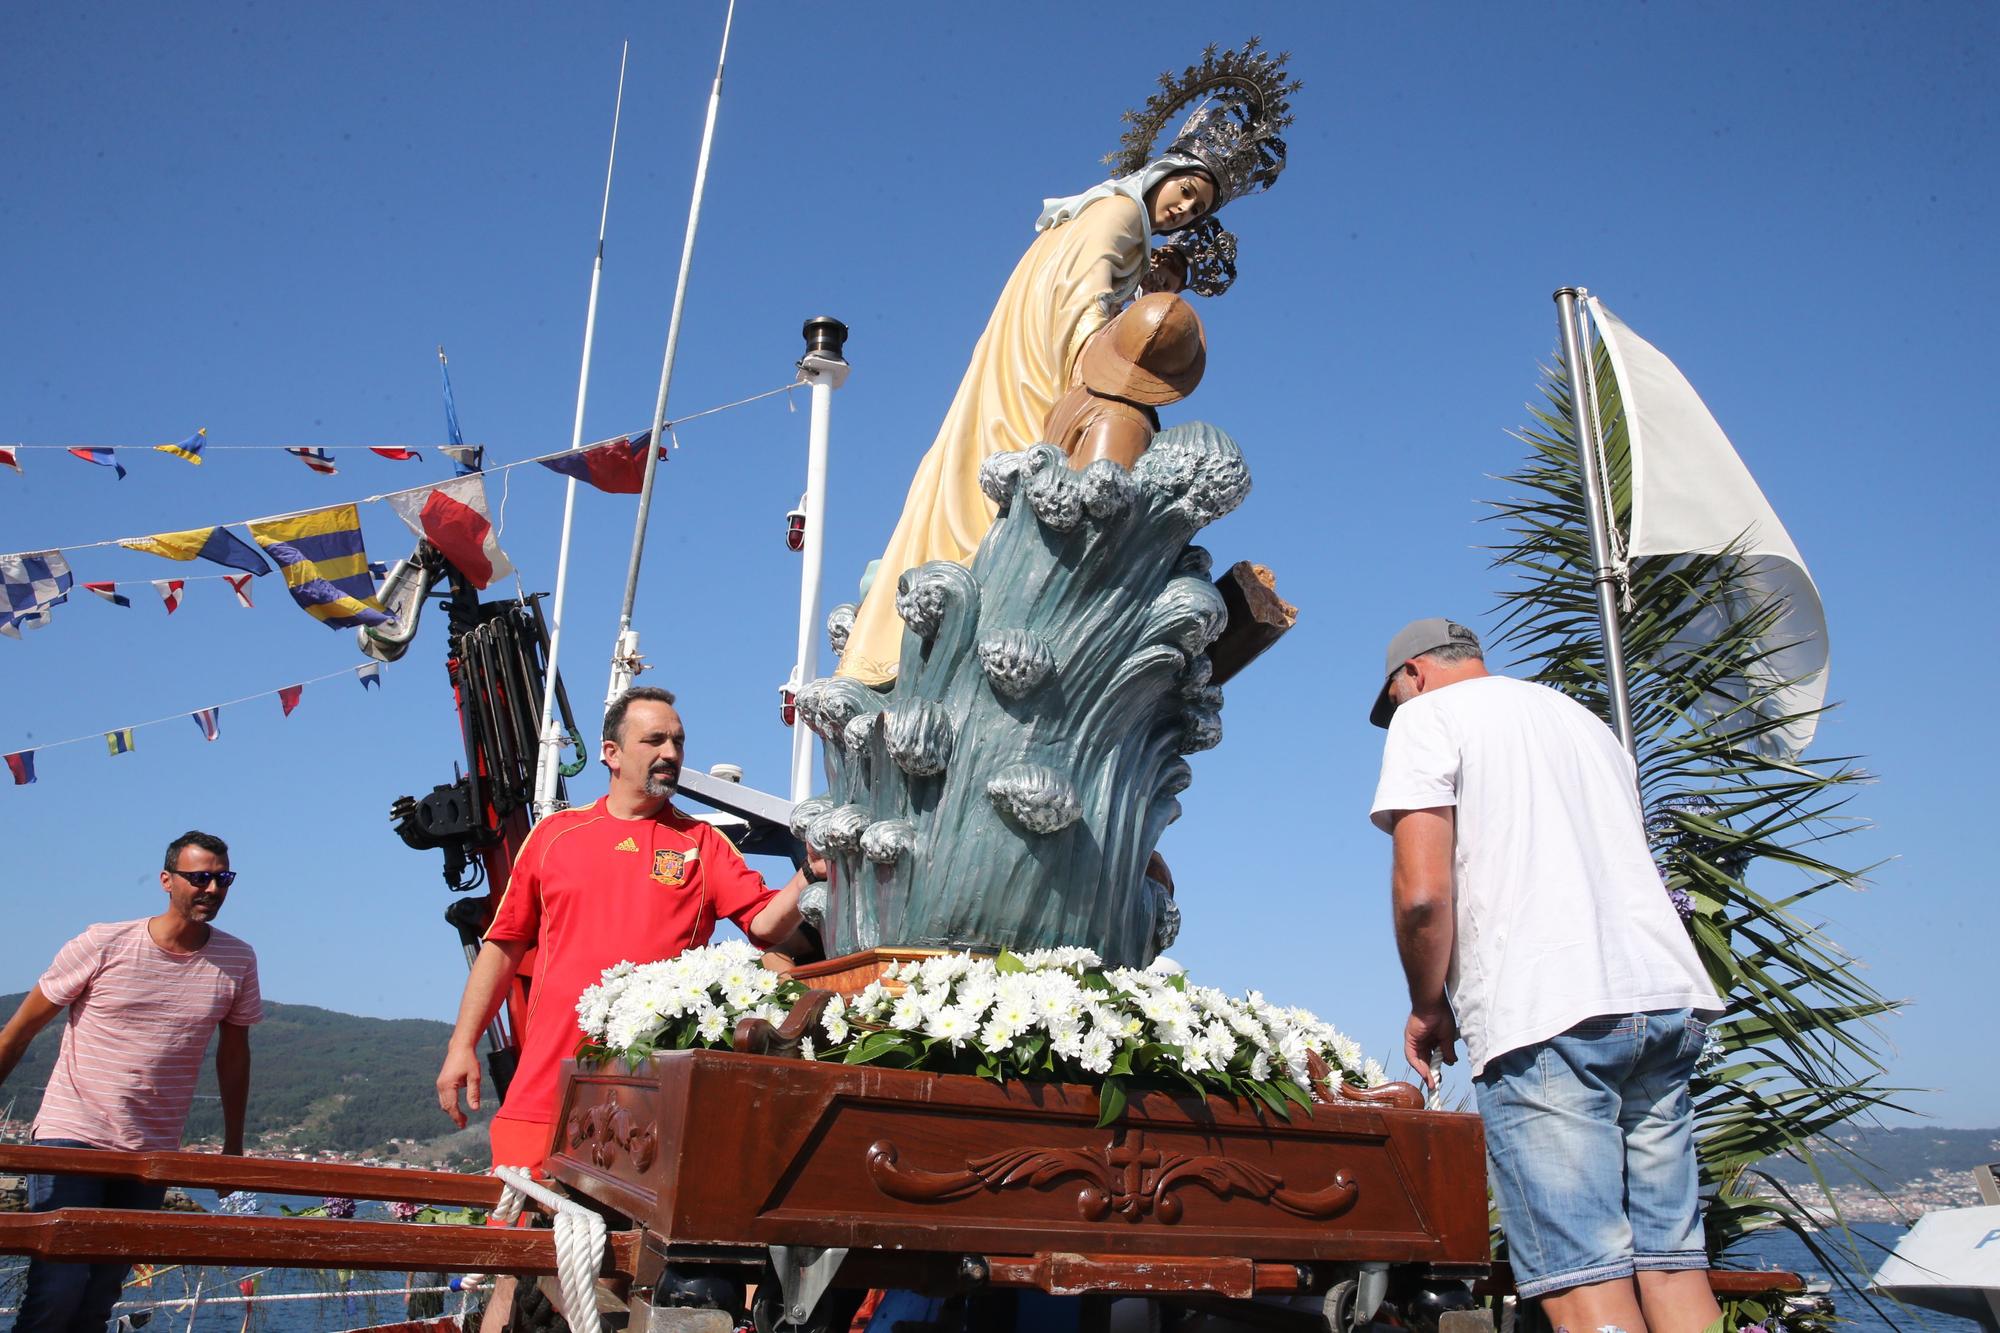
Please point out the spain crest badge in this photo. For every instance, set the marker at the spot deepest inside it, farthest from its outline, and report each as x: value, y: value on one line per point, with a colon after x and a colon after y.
x: 670, y: 868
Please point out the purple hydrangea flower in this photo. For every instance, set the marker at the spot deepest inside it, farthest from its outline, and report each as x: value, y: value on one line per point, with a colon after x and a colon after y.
x: 336, y: 1206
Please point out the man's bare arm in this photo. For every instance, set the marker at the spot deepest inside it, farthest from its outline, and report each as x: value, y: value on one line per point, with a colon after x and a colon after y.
x: 232, y: 1076
x: 485, y: 989
x: 34, y: 1014
x: 780, y: 917
x: 1421, y: 889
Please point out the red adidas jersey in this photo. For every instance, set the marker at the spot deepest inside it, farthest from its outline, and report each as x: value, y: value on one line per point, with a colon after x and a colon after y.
x: 589, y: 891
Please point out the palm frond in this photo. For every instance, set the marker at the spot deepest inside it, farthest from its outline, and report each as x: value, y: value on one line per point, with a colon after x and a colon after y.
x: 1797, y: 1054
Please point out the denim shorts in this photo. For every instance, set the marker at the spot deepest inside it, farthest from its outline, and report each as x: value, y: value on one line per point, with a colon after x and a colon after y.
x: 1590, y: 1148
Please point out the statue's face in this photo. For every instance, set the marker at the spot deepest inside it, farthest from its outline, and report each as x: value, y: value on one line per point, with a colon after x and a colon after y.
x: 1180, y: 200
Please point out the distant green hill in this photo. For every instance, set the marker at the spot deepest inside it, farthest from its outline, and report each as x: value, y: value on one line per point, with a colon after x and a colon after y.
x: 1898, y: 1157
x: 318, y: 1079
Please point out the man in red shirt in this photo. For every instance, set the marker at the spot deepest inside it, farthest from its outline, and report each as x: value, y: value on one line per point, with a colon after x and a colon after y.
x: 625, y: 879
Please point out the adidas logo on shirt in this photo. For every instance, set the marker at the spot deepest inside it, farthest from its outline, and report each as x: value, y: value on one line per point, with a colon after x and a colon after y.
x: 626, y: 846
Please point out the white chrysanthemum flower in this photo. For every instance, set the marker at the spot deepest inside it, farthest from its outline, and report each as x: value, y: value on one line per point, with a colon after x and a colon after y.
x: 1164, y: 966
x: 1260, y: 1067
x: 907, y: 1013
x: 617, y: 970
x: 949, y: 1025
x: 1346, y: 1052
x: 1015, y: 1012
x: 996, y: 1037
x: 740, y: 997
x: 714, y: 1025
x: 1096, y: 1054
x: 1372, y: 1072
x: 806, y: 1050
x: 835, y: 1025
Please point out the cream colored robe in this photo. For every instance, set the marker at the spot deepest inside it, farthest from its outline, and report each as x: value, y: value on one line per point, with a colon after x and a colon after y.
x: 1020, y: 366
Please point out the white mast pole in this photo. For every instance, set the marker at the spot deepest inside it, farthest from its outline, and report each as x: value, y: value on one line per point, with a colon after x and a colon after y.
x: 625, y: 652
x: 1584, y: 407
x: 548, y: 761
x: 824, y: 368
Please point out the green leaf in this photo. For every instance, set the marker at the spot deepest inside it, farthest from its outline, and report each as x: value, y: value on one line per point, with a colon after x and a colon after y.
x: 1110, y: 1101
x: 1007, y: 962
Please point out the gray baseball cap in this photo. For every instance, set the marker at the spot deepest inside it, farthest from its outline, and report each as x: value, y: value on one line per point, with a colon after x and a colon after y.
x: 1414, y: 640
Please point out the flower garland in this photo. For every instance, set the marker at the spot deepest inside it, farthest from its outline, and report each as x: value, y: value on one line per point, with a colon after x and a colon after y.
x: 1049, y: 1014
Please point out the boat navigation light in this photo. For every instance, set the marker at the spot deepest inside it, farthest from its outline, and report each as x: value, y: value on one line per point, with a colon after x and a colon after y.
x: 795, y: 526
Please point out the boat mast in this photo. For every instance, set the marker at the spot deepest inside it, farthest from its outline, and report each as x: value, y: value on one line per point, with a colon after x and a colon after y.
x: 1577, y: 362
x: 825, y: 369
x: 625, y: 651
x: 548, y: 761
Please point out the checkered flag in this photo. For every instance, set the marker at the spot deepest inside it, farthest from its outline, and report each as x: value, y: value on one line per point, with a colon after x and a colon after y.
x: 32, y: 583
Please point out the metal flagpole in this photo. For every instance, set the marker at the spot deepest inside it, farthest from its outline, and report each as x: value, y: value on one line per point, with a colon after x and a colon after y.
x: 825, y: 369
x: 548, y: 762
x: 1584, y: 405
x: 625, y: 652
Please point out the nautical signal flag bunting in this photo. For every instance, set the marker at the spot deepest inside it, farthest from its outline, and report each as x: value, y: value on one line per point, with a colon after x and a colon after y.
x: 325, y: 565
x: 453, y: 518
x: 217, y: 544
x: 101, y: 457
x: 188, y: 449
x: 618, y: 466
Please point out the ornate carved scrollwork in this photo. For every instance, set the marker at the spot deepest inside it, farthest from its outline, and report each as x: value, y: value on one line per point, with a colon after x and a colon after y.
x: 1129, y: 1177
x: 754, y: 1036
x: 608, y: 1129
x: 1330, y: 1087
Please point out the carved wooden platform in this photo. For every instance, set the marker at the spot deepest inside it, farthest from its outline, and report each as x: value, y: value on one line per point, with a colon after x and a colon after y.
x: 850, y: 974
x: 708, y: 1148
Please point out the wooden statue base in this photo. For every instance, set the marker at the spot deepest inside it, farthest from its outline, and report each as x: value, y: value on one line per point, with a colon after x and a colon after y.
x: 850, y: 974
x: 709, y: 1149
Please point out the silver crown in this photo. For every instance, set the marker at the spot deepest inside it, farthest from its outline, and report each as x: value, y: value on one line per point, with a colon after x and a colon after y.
x: 1239, y: 102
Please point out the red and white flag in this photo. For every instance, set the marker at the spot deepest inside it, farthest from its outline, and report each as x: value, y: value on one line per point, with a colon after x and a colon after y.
x: 11, y: 459
x: 170, y: 592
x: 289, y: 697
x: 396, y: 452
x: 452, y: 517
x: 319, y: 460
x: 109, y: 592
x: 240, y: 585
x: 210, y: 722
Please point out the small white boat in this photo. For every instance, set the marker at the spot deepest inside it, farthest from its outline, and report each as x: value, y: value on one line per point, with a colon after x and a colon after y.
x: 1950, y: 1260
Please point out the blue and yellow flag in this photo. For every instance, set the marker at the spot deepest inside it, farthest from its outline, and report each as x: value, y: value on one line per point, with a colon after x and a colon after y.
x: 119, y: 741
x: 190, y: 448
x: 325, y: 565
x: 218, y: 544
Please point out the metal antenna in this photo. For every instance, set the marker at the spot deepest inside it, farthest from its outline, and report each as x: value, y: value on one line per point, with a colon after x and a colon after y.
x: 625, y: 652
x: 548, y: 760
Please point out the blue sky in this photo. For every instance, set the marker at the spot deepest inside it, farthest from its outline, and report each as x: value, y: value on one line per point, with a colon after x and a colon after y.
x: 261, y: 219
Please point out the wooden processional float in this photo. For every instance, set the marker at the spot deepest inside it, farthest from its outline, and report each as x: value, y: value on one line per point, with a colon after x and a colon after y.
x: 1005, y: 793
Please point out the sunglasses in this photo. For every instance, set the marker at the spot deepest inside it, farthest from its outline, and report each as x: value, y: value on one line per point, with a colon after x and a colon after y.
x: 202, y: 878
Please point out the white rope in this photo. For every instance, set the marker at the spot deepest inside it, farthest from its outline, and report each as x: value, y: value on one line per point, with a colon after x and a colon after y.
x: 579, y: 1243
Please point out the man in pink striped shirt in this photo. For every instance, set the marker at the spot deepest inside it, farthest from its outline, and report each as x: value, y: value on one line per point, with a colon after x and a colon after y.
x: 144, y: 997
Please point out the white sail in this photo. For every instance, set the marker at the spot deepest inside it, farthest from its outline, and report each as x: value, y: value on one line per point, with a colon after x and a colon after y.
x: 1692, y: 495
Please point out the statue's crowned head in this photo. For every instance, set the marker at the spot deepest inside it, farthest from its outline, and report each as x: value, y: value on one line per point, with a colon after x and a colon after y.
x: 1232, y: 107
x: 1236, y: 103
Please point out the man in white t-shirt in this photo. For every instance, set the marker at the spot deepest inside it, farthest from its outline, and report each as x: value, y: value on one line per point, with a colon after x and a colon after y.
x: 1534, y: 926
